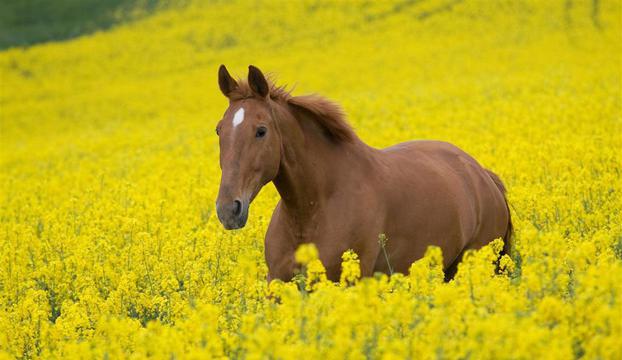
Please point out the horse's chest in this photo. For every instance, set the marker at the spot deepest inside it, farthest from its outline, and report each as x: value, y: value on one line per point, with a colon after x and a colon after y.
x: 330, y: 231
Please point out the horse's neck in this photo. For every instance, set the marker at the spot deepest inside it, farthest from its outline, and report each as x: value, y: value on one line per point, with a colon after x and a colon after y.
x: 311, y: 165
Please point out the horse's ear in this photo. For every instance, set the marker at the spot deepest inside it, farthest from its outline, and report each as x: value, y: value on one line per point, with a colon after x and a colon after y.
x: 225, y: 81
x: 257, y: 82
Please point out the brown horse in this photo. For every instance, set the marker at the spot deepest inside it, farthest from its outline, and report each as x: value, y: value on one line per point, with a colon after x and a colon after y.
x: 339, y: 193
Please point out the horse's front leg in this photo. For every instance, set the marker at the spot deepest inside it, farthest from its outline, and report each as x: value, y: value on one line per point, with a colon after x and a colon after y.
x: 279, y: 249
x: 282, y: 269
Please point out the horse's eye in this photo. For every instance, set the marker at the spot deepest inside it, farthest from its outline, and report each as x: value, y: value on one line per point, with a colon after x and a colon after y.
x: 261, y: 132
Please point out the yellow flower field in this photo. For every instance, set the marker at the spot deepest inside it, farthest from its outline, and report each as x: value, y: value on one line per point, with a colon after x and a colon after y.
x: 109, y: 242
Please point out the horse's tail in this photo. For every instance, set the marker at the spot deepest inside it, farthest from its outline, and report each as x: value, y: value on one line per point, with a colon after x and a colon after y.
x: 507, y: 238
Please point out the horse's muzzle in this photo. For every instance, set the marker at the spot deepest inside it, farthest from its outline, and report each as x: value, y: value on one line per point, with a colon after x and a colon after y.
x: 232, y: 215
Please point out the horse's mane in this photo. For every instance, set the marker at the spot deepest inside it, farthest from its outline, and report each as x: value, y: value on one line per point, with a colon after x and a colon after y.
x: 328, y: 114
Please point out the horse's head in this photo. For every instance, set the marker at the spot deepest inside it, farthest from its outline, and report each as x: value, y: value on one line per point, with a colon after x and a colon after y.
x: 250, y: 146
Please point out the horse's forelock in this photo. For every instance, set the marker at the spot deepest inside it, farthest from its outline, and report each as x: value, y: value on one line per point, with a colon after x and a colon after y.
x: 328, y: 114
x: 244, y: 91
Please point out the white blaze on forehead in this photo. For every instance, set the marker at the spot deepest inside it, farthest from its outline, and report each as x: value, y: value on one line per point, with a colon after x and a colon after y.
x: 238, y: 117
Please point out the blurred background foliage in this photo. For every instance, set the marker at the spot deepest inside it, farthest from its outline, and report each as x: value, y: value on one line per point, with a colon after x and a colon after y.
x: 28, y: 22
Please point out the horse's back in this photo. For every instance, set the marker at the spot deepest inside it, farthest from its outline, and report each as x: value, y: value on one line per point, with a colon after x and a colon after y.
x: 438, y: 190
x: 429, y: 148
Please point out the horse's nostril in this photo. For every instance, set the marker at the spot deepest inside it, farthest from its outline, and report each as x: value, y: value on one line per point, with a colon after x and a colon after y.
x: 237, y: 207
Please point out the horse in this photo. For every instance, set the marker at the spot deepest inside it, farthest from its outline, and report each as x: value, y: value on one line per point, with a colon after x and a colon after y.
x: 339, y: 193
